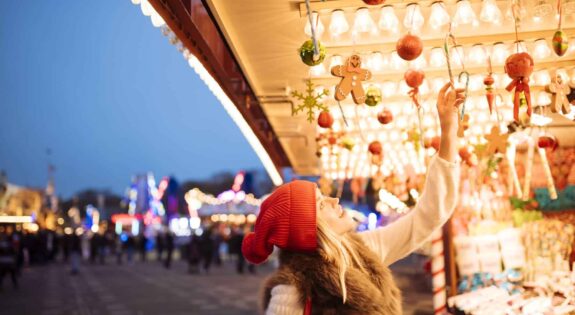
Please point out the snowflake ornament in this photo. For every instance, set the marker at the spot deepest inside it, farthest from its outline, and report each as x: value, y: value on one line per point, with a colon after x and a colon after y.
x: 311, y: 101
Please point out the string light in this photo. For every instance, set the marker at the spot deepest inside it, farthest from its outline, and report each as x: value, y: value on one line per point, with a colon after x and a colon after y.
x: 477, y: 54
x: 317, y: 23
x: 499, y: 53
x: 464, y: 14
x: 438, y: 16
x: 363, y: 22
x: 413, y: 19
x: 336, y: 60
x: 541, y: 10
x: 338, y: 24
x: 541, y: 49
x: 317, y: 70
x: 490, y: 12
x: 388, y: 20
x: 436, y: 57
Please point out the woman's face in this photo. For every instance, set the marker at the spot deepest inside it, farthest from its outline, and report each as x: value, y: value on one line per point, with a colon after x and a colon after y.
x: 333, y: 214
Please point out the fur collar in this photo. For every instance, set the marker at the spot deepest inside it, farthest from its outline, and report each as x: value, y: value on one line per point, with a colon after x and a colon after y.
x: 313, y: 276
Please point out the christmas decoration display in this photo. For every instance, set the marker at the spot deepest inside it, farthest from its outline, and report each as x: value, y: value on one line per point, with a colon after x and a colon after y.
x: 352, y: 75
x: 372, y: 96
x: 308, y: 55
x: 488, y: 82
x: 375, y: 148
x: 497, y: 142
x: 311, y: 101
x: 409, y: 47
x: 559, y: 91
x: 385, y: 116
x: 414, y: 79
x: 325, y: 119
x: 432, y: 142
x: 519, y: 67
x: 547, y: 142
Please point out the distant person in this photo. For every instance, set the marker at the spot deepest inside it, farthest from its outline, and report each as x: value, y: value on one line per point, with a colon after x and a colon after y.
x: 130, y: 246
x: 169, y: 249
x: 207, y: 249
x: 102, y: 248
x: 160, y: 245
x: 118, y: 248
x: 194, y: 254
x: 94, y: 247
x: 75, y: 253
x: 235, y: 248
x: 8, y: 259
x: 218, y: 240
x: 142, y: 246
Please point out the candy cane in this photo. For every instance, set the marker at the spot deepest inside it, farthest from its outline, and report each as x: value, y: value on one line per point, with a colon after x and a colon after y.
x: 550, y: 183
x: 528, y: 168
x: 450, y: 38
x: 438, y: 272
x: 511, y: 151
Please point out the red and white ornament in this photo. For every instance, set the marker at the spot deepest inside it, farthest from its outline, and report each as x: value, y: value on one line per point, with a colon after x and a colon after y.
x: 409, y: 47
x: 325, y: 119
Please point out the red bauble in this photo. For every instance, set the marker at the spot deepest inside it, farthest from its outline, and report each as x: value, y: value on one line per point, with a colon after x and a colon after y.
x: 375, y: 148
x: 431, y: 142
x: 385, y: 116
x: 488, y: 80
x: 325, y: 119
x: 547, y: 142
x: 519, y: 65
x: 332, y: 140
x: 409, y: 47
x: 414, y: 78
x: 464, y: 153
x: 373, y: 2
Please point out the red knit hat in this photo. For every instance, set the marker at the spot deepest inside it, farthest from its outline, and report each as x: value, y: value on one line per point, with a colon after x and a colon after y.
x: 287, y: 219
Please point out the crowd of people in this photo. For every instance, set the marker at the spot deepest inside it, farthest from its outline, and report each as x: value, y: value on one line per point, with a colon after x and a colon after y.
x: 201, y: 251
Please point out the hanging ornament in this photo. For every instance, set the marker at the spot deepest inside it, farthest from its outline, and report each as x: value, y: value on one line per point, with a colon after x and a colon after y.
x: 308, y: 55
x: 519, y: 67
x: 414, y: 136
x: 372, y: 95
x: 559, y: 91
x: 450, y: 38
x: 311, y: 101
x: 347, y: 143
x: 325, y: 119
x: 560, y: 40
x: 496, y: 142
x: 374, y: 2
x: 375, y: 148
x: 352, y: 75
x: 547, y: 142
x: 414, y: 79
x: 432, y: 142
x: 409, y: 47
x: 467, y: 157
x: 488, y: 81
x: 385, y: 116
x: 463, y: 125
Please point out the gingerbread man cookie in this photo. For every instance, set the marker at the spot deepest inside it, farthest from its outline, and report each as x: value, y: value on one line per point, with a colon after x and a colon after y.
x: 352, y: 75
x: 559, y: 91
x: 497, y: 142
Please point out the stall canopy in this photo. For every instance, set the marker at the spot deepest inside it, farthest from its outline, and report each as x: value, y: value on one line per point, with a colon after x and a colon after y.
x: 250, y: 49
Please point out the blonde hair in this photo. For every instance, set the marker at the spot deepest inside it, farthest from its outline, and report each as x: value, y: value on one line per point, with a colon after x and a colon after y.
x: 337, y: 249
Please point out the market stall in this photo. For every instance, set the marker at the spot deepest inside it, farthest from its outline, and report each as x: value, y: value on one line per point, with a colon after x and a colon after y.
x: 345, y: 91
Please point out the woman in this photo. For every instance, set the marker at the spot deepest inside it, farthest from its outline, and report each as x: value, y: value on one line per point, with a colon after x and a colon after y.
x: 325, y: 268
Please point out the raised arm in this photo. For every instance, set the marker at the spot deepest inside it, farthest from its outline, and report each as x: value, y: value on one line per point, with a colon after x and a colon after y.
x: 439, y: 196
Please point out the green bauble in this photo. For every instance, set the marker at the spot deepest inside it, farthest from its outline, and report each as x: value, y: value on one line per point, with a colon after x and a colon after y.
x: 560, y: 43
x: 372, y: 96
x: 347, y: 143
x: 306, y: 53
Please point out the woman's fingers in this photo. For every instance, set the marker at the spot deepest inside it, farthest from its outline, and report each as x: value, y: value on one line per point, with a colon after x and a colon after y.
x: 443, y: 92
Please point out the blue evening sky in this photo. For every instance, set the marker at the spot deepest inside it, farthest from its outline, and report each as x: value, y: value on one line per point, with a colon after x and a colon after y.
x: 101, y: 87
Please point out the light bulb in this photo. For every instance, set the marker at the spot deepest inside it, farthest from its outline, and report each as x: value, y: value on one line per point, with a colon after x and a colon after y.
x: 541, y: 49
x: 317, y: 24
x: 464, y: 13
x: 541, y: 10
x: 568, y: 7
x: 571, y: 49
x: 476, y: 82
x: 317, y: 70
x: 413, y: 19
x: 363, y: 22
x: 338, y: 24
x: 396, y: 62
x: 376, y: 61
x: 403, y: 88
x: 519, y: 47
x: 135, y: 1
x: 436, y: 57
x: 336, y: 60
x: 418, y: 63
x: 509, y: 12
x: 490, y: 12
x: 146, y: 7
x: 157, y: 20
x: 499, y: 53
x: 388, y: 88
x: 438, y: 16
x: 543, y: 99
x: 437, y: 83
x: 541, y: 77
x: 457, y: 56
x: 388, y: 20
x: 477, y: 54
x: 424, y: 87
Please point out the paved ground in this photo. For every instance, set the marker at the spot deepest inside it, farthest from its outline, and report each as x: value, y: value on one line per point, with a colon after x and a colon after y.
x: 148, y: 288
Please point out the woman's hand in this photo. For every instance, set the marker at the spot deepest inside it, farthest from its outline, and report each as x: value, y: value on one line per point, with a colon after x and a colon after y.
x: 448, y: 102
